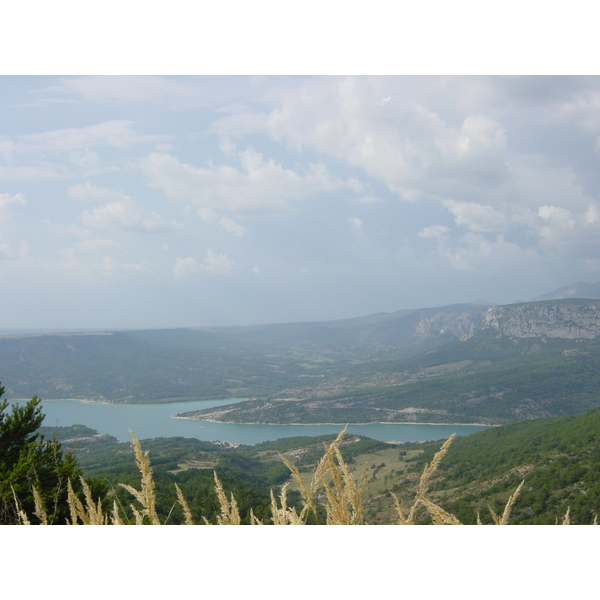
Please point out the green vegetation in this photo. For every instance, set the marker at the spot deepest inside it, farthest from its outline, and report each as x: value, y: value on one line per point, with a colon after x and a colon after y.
x: 184, y: 364
x: 485, y: 379
x: 401, y: 367
x: 405, y: 367
x: 27, y: 461
x: 556, y: 460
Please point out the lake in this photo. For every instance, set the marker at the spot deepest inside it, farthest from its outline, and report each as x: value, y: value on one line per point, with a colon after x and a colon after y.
x: 156, y: 420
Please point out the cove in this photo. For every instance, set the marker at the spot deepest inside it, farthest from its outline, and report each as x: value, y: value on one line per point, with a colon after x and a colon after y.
x: 156, y: 420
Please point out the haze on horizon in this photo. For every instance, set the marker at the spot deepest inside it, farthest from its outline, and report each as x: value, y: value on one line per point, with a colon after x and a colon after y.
x: 150, y: 202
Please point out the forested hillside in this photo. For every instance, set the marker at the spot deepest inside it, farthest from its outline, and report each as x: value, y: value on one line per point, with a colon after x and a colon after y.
x: 558, y: 459
x: 453, y: 364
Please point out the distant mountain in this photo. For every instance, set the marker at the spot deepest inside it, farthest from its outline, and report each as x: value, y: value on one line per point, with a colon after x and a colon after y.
x: 526, y: 361
x: 378, y: 336
x: 453, y: 364
x: 573, y: 318
x: 185, y: 364
x: 581, y: 289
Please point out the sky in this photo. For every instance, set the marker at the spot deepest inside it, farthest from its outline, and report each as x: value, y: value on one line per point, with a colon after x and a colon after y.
x: 189, y: 201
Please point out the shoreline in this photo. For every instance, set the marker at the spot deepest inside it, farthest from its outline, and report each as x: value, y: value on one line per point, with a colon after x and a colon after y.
x: 340, y: 424
x: 90, y: 401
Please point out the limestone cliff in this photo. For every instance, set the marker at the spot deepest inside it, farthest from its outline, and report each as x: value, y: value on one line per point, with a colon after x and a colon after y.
x: 459, y: 324
x: 568, y: 319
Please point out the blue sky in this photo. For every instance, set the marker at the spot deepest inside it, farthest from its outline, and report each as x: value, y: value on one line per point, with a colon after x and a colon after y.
x: 138, y: 202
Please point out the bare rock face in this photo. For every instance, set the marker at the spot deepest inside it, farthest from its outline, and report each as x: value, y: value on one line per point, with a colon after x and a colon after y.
x: 567, y: 320
x: 460, y: 325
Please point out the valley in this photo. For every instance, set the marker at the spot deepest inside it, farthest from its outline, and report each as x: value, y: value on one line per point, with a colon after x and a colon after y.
x: 469, y: 364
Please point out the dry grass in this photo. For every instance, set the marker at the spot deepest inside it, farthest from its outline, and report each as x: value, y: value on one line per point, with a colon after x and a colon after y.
x: 332, y: 487
x: 145, y: 496
x: 438, y: 514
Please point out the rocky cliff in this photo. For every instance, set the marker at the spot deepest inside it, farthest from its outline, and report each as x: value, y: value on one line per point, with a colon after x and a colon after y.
x: 567, y: 319
x: 460, y: 324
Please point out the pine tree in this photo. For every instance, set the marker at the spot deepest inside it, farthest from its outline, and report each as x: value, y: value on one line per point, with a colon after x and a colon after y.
x: 27, y: 460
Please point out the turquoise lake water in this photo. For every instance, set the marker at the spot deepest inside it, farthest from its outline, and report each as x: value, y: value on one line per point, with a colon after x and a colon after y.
x: 156, y: 420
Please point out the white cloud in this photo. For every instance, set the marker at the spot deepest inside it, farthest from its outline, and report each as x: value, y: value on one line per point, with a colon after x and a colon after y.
x: 35, y: 171
x: 260, y: 187
x: 564, y: 231
x: 186, y: 266
x: 8, y: 200
x: 94, y: 245
x: 85, y: 158
x: 476, y: 253
x: 583, y: 108
x: 434, y: 231
x: 125, y: 215
x: 216, y: 264
x: 18, y: 255
x: 117, y: 134
x: 88, y: 192
x: 127, y: 89
x: 538, y: 183
x: 476, y: 217
x: 91, y: 257
x: 111, y: 266
x: 206, y: 214
x: 230, y: 226
x: 356, y: 224
x: 369, y: 199
x: 226, y: 146
x: 120, y: 211
x: 401, y: 143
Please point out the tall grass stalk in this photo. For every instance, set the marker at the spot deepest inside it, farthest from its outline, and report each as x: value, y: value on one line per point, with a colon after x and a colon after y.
x: 145, y: 496
x: 332, y: 486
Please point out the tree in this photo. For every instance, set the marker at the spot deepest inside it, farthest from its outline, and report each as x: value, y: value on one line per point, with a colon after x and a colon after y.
x: 27, y: 460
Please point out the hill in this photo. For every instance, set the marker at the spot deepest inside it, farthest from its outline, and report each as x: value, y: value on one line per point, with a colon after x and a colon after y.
x: 525, y: 361
x: 580, y: 289
x: 180, y: 364
x: 557, y: 458
x: 452, y: 364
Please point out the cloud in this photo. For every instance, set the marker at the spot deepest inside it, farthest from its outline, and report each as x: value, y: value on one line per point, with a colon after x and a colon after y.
x: 119, y: 211
x: 226, y: 146
x: 216, y: 264
x: 7, y: 201
x: 476, y: 253
x: 17, y: 255
x: 116, y: 134
x: 402, y: 143
x: 563, y: 231
x: 88, y: 192
x: 260, y: 187
x: 35, y: 171
x: 94, y: 245
x: 369, y: 199
x: 583, y: 109
x: 127, y: 89
x: 434, y: 231
x: 206, y: 214
x: 87, y: 260
x: 356, y: 224
x: 186, y: 266
x: 126, y: 214
x: 476, y: 217
x: 232, y: 227
x: 85, y: 158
